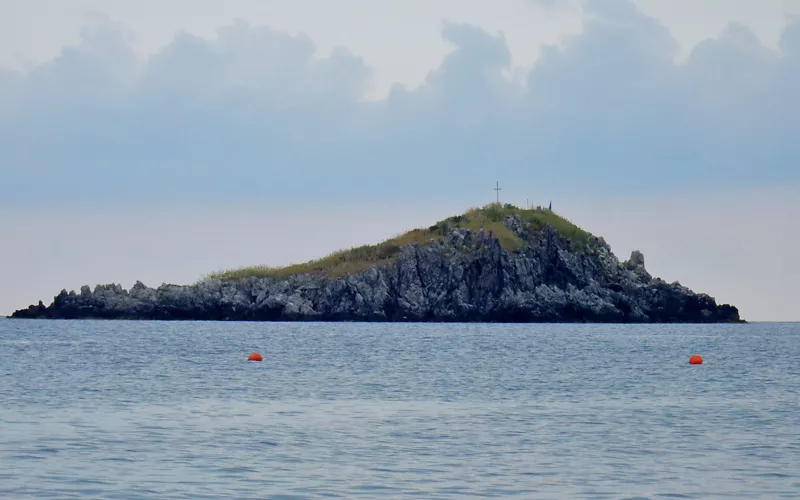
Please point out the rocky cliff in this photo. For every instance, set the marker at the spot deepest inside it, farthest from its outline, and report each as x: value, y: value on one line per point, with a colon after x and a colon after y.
x: 457, y: 275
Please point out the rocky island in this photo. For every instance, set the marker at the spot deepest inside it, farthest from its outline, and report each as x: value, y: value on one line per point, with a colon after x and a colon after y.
x: 491, y: 264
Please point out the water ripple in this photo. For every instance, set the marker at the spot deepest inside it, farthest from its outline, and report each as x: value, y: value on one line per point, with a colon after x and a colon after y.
x: 172, y: 410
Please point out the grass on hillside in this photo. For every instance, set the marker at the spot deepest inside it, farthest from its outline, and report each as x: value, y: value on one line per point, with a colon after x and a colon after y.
x: 354, y: 260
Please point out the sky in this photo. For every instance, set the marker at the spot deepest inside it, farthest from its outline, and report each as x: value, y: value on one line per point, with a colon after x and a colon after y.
x: 164, y: 140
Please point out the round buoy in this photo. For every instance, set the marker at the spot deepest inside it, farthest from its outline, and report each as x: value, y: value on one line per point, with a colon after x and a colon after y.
x: 695, y: 360
x: 255, y: 357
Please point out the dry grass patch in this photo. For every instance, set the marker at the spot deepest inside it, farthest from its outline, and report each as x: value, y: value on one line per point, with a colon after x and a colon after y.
x: 354, y: 260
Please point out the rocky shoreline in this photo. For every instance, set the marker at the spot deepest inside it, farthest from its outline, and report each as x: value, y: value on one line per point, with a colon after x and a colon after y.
x: 464, y: 276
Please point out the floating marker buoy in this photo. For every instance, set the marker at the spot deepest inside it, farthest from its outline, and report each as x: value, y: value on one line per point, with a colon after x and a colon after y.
x: 695, y: 360
x: 255, y: 357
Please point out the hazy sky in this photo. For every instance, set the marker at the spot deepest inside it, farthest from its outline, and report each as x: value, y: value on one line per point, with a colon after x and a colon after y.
x: 162, y: 140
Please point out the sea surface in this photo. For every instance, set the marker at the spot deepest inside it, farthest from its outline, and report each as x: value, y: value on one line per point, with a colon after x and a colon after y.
x: 114, y: 409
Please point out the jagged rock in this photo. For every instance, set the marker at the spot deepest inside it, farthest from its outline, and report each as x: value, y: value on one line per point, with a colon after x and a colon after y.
x: 636, y: 260
x: 464, y: 276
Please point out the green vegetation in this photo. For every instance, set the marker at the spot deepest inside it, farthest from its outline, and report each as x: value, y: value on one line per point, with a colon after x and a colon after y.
x: 338, y: 263
x: 357, y: 259
x: 539, y: 217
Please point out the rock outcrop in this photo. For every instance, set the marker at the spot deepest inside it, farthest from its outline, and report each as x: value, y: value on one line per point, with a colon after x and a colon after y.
x: 462, y: 276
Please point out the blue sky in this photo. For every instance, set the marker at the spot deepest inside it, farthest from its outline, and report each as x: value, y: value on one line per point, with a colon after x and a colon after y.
x: 622, y: 107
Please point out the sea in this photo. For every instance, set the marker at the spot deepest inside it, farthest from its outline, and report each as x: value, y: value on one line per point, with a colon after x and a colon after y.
x: 173, y: 410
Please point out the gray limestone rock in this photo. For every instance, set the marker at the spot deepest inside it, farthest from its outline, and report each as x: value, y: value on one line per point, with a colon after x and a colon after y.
x: 464, y: 277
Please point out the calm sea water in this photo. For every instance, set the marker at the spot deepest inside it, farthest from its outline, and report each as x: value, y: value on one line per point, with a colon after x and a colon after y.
x: 172, y: 410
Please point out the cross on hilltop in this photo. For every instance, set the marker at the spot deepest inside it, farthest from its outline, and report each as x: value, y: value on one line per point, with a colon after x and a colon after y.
x: 528, y: 205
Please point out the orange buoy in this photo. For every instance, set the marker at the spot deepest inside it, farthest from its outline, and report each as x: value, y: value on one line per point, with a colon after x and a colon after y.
x: 695, y: 359
x: 255, y: 357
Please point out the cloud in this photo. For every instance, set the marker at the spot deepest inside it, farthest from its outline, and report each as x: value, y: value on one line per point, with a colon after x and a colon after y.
x: 550, y: 5
x: 253, y: 113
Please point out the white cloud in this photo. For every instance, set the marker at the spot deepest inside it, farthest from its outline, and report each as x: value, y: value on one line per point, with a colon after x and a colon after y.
x: 691, y: 22
x: 378, y: 31
x: 35, y: 30
x: 254, y: 108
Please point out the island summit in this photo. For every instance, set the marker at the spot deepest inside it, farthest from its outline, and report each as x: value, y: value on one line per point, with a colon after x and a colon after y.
x: 498, y: 263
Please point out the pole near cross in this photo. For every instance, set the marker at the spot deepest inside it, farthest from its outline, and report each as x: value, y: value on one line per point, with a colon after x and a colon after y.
x: 498, y: 189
